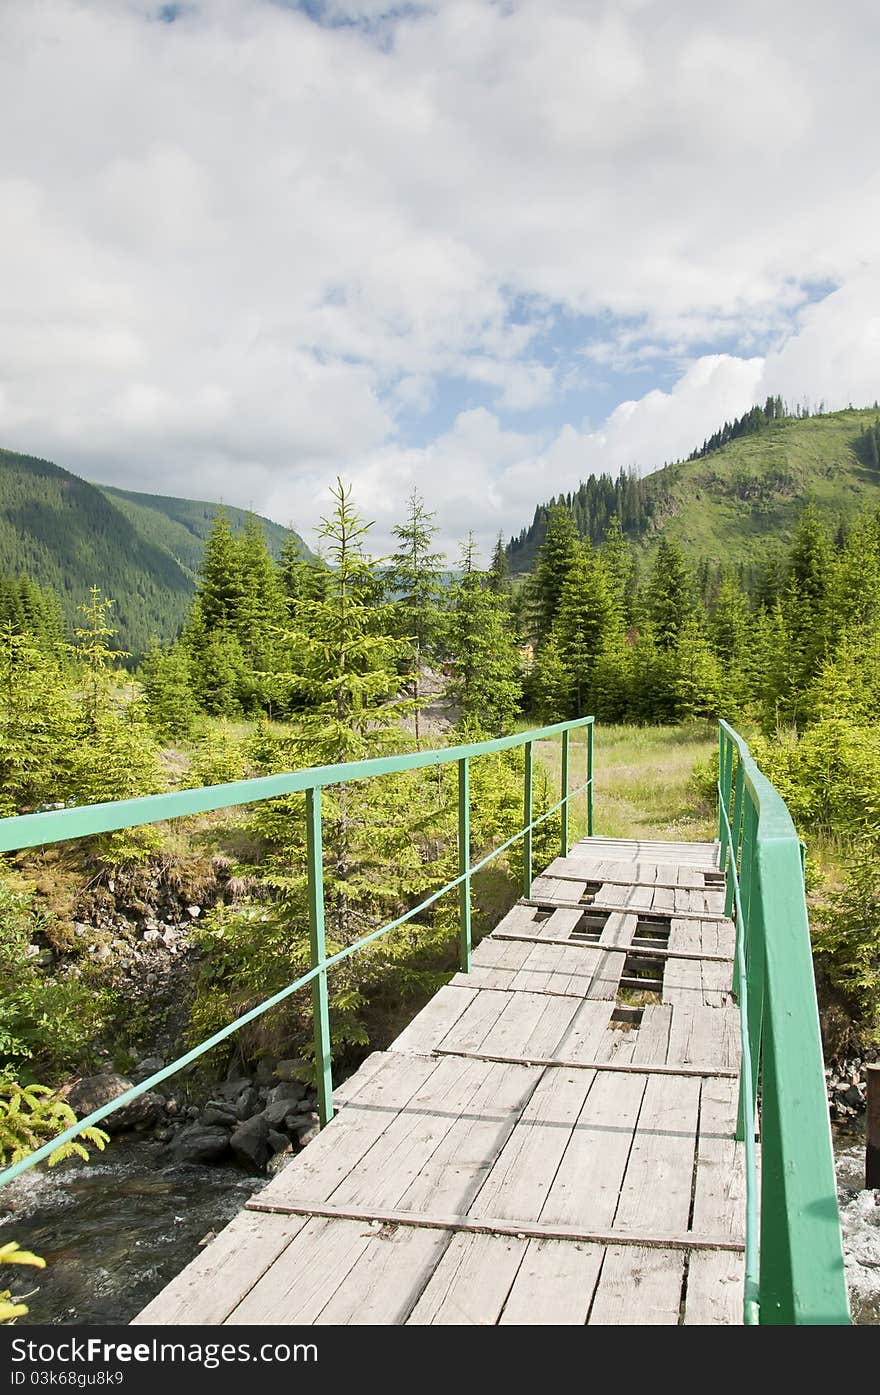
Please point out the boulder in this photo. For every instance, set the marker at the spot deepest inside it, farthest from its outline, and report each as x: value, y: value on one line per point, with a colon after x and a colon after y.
x: 200, y: 1143
x: 250, y: 1143
x: 96, y: 1090
x: 220, y: 1114
x: 276, y: 1113
x: 278, y: 1142
x: 289, y: 1092
x: 291, y: 1070
x: 148, y: 1066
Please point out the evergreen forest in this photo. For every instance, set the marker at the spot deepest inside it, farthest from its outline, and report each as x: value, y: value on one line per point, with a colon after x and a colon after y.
x: 298, y: 659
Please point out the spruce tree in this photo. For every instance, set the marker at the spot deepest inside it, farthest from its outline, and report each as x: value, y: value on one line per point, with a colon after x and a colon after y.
x: 414, y: 581
x: 584, y: 617
x: 670, y: 593
x: 555, y: 557
x: 487, y: 676
x: 219, y: 586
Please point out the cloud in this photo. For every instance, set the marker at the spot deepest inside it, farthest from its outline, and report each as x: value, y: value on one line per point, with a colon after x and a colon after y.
x: 257, y: 246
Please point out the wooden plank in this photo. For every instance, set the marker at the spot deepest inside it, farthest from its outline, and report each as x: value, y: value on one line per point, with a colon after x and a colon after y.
x: 532, y: 1024
x: 495, y: 1225
x: 638, y: 1287
x: 305, y: 1277
x: 659, y: 1172
x: 382, y: 1284
x: 340, y: 1147
x: 586, y: 1187
x: 652, y: 1034
x: 683, y: 982
x: 565, y: 1063
x: 703, y: 1035
x: 469, y: 1096
x: 651, y: 897
x: 563, y: 969
x: 586, y: 1030
x: 644, y: 949
x: 717, y: 983
x: 554, y: 1284
x: 436, y: 1018
x: 686, y: 933
x: 456, y: 1170
x: 720, y: 1183
x: 521, y: 1176
x: 471, y: 1282
x: 208, y: 1289
x: 714, y: 1294
x: 469, y: 1032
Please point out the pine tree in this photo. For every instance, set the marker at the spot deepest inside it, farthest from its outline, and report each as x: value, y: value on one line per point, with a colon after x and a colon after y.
x: 584, y: 617
x: 414, y: 580
x: 166, y: 675
x: 219, y: 588
x: 93, y: 651
x: 555, y: 557
x: 259, y: 615
x: 487, y: 678
x: 670, y: 593
x: 499, y: 572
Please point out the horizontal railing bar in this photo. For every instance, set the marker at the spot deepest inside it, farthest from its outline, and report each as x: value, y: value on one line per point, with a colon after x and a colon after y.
x: 97, y: 1115
x: 60, y: 825
x: 750, y: 1305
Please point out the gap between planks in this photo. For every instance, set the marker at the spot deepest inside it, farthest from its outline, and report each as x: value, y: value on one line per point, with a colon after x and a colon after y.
x: 491, y: 1225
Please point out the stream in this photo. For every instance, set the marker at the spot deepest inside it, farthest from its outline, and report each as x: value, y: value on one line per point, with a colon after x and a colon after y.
x: 115, y: 1230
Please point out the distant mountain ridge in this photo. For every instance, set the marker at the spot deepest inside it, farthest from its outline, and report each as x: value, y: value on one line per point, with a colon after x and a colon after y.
x: 738, y: 502
x: 143, y: 550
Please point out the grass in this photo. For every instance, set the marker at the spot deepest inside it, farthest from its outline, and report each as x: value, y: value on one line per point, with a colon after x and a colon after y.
x: 643, y: 781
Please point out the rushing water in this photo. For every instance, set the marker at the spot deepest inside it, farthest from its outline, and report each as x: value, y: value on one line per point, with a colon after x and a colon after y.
x: 114, y: 1231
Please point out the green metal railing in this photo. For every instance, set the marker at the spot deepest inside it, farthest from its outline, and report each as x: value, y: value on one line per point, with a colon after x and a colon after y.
x: 794, y: 1252
x: 35, y: 830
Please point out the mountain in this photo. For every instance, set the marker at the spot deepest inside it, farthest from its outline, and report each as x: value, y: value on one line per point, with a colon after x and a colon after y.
x: 738, y: 502
x: 143, y: 550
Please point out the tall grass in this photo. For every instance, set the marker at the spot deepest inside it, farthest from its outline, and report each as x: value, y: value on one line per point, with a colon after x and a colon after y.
x: 643, y: 781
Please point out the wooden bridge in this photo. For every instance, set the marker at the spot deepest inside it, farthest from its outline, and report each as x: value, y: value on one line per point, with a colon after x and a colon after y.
x: 568, y: 1132
x: 551, y: 1140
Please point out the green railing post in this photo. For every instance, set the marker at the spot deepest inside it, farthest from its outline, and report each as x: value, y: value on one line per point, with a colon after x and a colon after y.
x: 563, y: 840
x: 527, y: 819
x: 464, y: 862
x: 590, y: 780
x: 317, y: 944
x: 722, y: 756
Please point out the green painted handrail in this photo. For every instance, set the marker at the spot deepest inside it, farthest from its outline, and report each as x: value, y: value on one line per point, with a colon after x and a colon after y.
x: 794, y: 1254
x: 35, y: 830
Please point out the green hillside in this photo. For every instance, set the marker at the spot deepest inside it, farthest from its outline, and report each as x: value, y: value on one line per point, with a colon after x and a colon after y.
x: 740, y: 503
x: 141, y: 549
x: 181, y: 526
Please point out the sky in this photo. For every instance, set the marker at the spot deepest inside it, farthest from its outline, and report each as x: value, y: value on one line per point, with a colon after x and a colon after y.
x: 479, y: 248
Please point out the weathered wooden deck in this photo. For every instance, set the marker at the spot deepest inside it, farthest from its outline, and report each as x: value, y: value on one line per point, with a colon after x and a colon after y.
x: 551, y: 1140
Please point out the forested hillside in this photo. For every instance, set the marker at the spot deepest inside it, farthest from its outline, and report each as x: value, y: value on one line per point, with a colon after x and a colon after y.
x: 143, y: 550
x: 739, y: 496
